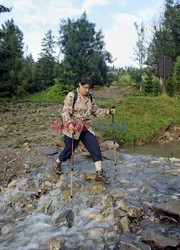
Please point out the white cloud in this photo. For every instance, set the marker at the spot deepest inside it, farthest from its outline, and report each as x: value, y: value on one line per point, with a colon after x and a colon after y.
x: 121, y: 38
x: 89, y: 4
x: 121, y: 3
x: 33, y: 40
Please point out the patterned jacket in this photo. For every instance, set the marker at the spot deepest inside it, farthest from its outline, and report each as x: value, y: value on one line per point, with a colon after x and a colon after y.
x: 80, y: 115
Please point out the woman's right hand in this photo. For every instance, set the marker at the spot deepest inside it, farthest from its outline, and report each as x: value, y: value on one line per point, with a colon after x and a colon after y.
x: 71, y: 128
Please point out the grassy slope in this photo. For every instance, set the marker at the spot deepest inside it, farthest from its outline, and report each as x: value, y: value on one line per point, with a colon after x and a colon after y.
x: 146, y: 116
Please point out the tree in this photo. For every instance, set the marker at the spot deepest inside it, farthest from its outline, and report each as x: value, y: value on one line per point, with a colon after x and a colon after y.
x: 29, y: 69
x: 11, y: 55
x: 44, y: 72
x: 4, y: 9
x: 140, y: 51
x: 166, y: 35
x: 176, y: 77
x: 148, y: 82
x: 84, y: 50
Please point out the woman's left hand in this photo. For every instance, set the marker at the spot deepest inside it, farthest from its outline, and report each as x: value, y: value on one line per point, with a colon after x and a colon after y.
x: 112, y: 110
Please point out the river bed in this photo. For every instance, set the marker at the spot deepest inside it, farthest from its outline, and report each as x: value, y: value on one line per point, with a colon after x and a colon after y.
x: 139, y: 210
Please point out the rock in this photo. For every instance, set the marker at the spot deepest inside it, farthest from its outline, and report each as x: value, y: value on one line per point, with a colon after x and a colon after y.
x: 50, y: 151
x: 7, y: 229
x: 27, y: 207
x: 117, y: 193
x: 47, y: 185
x: 67, y: 195
x: 87, y: 245
x: 118, y: 213
x: 109, y: 154
x: 65, y: 218
x: 126, y: 244
x: 158, y: 240
x: 96, y: 232
x: 90, y: 177
x: 60, y: 181
x: 172, y: 207
x: 124, y: 181
x: 173, y: 172
x: 12, y: 184
x: 125, y: 224
x: 55, y: 244
x: 174, y: 159
x: 160, y: 160
x: 131, y: 210
x: 98, y: 188
x: 91, y: 214
x: 108, y: 145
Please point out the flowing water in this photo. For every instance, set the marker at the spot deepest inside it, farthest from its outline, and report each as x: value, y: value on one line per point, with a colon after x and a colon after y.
x: 169, y: 149
x: 36, y: 213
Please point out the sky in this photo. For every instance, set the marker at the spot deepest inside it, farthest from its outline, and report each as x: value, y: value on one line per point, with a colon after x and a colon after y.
x: 114, y: 17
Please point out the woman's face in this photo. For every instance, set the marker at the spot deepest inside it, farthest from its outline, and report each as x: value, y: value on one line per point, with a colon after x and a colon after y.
x: 84, y: 89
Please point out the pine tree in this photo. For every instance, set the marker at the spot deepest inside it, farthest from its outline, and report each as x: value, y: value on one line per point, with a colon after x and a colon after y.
x: 148, y: 83
x: 84, y: 51
x: 11, y: 55
x: 44, y: 72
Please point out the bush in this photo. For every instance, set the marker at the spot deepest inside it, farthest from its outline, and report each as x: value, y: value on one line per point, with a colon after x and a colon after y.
x: 57, y: 92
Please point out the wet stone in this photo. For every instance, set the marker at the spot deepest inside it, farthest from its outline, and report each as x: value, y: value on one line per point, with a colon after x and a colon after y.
x: 96, y: 232
x: 118, y: 213
x: 50, y: 151
x: 172, y: 207
x: 98, y: 189
x: 65, y: 218
x: 55, y: 244
x: 131, y: 246
x: 117, y: 193
x: 158, y: 240
x: 125, y: 224
x: 132, y: 210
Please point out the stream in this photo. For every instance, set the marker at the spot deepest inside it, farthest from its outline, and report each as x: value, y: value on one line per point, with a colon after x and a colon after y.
x: 140, y: 209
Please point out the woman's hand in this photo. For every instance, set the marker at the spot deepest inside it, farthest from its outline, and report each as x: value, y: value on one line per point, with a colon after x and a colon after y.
x: 71, y: 128
x: 112, y: 110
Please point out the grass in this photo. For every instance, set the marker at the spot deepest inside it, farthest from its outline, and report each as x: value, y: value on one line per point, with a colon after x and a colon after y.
x: 55, y: 93
x: 145, y: 117
x: 138, y: 118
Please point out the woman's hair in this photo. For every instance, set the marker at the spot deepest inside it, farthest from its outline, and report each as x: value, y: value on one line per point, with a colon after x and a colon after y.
x: 86, y: 80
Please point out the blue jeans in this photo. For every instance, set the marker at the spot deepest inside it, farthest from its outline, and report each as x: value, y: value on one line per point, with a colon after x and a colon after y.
x: 89, y: 141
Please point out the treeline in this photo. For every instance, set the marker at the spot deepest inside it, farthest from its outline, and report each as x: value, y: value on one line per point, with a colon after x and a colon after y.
x: 82, y: 52
x: 81, y: 46
x: 165, y: 41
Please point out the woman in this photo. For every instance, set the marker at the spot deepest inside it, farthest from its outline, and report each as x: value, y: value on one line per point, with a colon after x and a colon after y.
x: 78, y: 106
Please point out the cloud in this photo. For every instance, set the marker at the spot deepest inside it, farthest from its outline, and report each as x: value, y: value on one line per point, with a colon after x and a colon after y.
x: 121, y: 38
x: 152, y: 12
x: 89, y: 4
x: 121, y: 3
x: 33, y: 40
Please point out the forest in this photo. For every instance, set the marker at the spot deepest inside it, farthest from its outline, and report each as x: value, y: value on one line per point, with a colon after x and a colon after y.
x: 83, y: 51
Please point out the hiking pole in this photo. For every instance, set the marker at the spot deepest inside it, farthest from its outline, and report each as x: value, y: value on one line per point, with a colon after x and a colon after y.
x: 115, y: 153
x: 72, y: 165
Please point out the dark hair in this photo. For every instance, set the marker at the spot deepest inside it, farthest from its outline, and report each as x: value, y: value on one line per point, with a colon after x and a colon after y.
x: 86, y: 80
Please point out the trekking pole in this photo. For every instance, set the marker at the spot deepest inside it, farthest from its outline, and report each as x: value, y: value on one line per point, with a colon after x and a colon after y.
x: 72, y: 165
x: 115, y: 153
